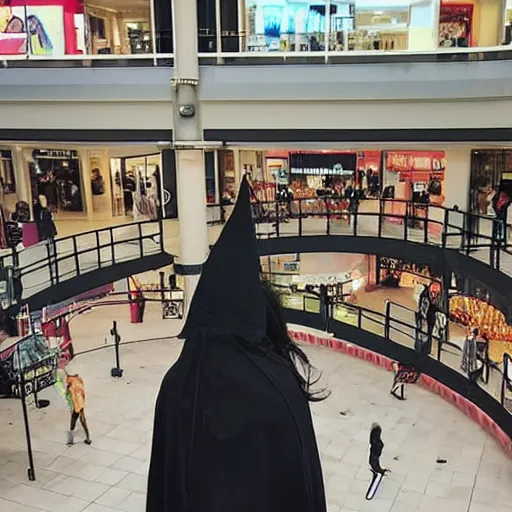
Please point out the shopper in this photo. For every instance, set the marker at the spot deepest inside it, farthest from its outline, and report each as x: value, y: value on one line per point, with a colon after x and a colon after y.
x: 76, y: 399
x: 468, y: 362
x: 45, y: 224
x: 353, y: 207
x: 500, y: 203
x: 376, y: 447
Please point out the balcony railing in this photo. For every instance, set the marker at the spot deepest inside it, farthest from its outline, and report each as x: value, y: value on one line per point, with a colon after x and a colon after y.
x: 494, y: 378
x: 253, y: 32
x: 484, y: 238
x: 497, y: 53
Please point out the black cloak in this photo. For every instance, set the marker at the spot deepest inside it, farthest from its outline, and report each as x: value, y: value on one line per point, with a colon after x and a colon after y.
x: 233, y: 429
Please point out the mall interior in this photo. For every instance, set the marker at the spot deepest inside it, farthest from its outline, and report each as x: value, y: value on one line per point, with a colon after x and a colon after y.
x: 208, y: 194
x: 89, y: 188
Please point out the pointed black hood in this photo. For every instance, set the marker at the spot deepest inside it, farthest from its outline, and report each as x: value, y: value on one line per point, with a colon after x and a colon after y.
x: 229, y: 298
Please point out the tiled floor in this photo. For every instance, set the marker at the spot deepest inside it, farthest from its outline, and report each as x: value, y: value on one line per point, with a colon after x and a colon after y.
x: 110, y: 475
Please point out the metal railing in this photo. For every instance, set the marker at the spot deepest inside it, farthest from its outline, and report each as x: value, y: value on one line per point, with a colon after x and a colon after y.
x: 495, y: 378
x: 473, y: 54
x: 479, y: 236
x: 50, y: 263
x: 215, y: 214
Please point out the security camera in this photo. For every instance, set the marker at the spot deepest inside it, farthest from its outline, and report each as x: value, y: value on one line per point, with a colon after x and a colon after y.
x: 187, y: 110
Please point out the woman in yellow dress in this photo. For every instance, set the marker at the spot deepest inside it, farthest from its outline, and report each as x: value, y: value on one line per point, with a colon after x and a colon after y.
x: 76, y: 398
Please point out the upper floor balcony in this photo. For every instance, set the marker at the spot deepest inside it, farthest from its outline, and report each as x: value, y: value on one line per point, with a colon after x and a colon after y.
x: 49, y: 33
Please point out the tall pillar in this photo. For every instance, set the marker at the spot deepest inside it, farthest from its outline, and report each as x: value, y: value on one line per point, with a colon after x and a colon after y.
x: 192, y: 216
x: 457, y: 178
x: 85, y: 177
x: 189, y: 160
x: 22, y: 176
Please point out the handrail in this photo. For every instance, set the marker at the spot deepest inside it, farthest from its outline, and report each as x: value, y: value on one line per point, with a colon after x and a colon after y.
x: 449, y: 228
x: 357, y: 53
x: 74, y: 239
x: 387, y: 322
x: 60, y: 260
x: 85, y: 56
x: 401, y: 306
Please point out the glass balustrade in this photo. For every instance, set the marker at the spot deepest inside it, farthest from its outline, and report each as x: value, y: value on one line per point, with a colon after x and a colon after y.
x: 110, y: 30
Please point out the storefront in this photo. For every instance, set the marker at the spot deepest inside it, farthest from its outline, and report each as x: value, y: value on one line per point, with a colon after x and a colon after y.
x: 409, y: 175
x: 507, y: 18
x: 135, y: 184
x: 56, y: 174
x: 70, y: 27
x: 491, y: 171
x: 361, y: 25
x: 358, y: 25
x: 472, y: 23
x: 404, y: 175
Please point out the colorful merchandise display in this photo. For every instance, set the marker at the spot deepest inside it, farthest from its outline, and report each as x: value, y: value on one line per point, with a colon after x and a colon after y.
x: 472, y: 312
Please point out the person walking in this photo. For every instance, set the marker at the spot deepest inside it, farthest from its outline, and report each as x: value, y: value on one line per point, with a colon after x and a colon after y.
x: 45, y: 224
x: 376, y: 447
x: 76, y: 399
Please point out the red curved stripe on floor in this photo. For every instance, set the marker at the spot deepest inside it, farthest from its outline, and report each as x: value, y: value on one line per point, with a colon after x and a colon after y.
x: 463, y: 404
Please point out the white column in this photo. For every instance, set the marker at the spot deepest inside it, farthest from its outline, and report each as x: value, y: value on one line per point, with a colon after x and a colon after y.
x: 85, y: 175
x: 189, y: 162
x: 457, y: 177
x: 192, y: 214
x: 22, y: 176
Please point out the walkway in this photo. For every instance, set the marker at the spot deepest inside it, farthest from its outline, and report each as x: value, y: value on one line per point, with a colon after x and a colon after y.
x: 110, y: 476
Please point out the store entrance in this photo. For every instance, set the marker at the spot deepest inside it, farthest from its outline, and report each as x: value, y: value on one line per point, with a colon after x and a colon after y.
x: 56, y: 175
x: 136, y: 187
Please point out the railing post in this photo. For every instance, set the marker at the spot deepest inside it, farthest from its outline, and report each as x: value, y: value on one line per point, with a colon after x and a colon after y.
x: 277, y: 217
x: 498, y: 252
x: 359, y: 318
x: 406, y: 218
x: 425, y: 224
x: 328, y: 216
x: 300, y: 217
x: 503, y: 379
x: 356, y: 215
x: 161, y: 230
x: 75, y: 254
x: 495, y: 234
x: 98, y: 250
x: 50, y: 263
x: 387, y: 328
x: 31, y: 472
x: 112, y: 251
x: 380, y: 218
x: 444, y: 234
x: 141, y: 245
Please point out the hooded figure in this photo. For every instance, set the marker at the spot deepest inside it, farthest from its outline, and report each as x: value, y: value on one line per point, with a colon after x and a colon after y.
x: 233, y: 429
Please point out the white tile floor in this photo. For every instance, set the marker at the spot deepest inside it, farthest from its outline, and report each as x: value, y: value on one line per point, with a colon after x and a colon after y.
x: 110, y: 475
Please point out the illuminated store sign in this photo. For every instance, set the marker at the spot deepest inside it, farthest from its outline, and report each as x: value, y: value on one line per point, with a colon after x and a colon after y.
x: 323, y: 164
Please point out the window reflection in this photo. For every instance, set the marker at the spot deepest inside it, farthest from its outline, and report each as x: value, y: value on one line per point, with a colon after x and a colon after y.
x: 73, y: 27
x: 371, y: 25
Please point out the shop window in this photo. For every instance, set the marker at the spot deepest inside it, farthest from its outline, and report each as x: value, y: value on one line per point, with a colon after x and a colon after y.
x: 140, y: 177
x: 97, y: 27
x: 73, y: 27
x: 56, y: 174
x: 362, y: 25
x: 490, y: 173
